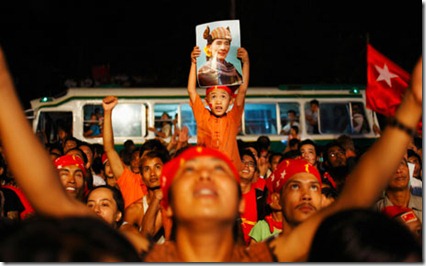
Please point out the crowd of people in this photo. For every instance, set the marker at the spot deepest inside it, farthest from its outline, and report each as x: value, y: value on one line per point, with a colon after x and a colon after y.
x: 221, y: 200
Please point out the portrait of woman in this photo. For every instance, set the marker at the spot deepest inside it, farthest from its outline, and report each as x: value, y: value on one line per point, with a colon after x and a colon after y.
x: 219, y: 43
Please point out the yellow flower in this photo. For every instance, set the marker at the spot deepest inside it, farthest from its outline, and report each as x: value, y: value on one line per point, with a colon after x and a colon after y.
x: 207, y: 51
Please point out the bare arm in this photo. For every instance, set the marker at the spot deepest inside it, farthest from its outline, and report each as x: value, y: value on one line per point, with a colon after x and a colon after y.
x: 28, y: 159
x: 192, y: 78
x: 108, y: 103
x: 152, y: 221
x: 133, y: 215
x: 371, y: 175
x: 242, y: 90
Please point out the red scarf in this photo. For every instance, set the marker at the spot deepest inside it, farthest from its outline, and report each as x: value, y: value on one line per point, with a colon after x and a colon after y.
x: 273, y: 224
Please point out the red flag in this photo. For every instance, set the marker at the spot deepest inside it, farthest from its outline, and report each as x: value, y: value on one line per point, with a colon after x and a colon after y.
x: 386, y: 83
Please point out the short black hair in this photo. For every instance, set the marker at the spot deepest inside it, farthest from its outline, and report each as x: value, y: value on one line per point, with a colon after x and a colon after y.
x: 291, y: 111
x: 363, y: 235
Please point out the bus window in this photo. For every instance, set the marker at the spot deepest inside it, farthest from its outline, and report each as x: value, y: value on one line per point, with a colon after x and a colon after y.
x: 93, y: 120
x: 334, y: 118
x: 260, y: 118
x: 127, y: 120
x: 311, y: 117
x: 289, y: 112
x: 359, y: 121
x: 164, y: 118
x: 50, y: 124
x: 188, y: 120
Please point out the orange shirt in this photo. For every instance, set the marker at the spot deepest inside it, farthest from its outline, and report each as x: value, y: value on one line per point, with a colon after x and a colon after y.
x: 131, y: 186
x: 218, y: 132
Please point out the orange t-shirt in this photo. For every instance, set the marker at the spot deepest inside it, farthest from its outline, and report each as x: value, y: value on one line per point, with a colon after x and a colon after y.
x: 131, y: 186
x: 218, y: 132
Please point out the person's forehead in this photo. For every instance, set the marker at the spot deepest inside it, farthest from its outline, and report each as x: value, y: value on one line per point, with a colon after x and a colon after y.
x: 70, y: 167
x: 203, y: 158
x: 218, y: 91
x: 105, y: 192
x: 76, y: 153
x: 335, y: 148
x: 149, y: 161
x: 303, y: 177
x: 221, y: 40
x: 307, y: 147
x: 248, y: 158
x: 203, y: 161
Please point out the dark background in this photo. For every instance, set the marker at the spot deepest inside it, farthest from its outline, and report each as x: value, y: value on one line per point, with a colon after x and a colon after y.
x: 289, y: 42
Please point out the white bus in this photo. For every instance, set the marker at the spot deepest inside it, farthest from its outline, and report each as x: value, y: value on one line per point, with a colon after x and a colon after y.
x: 265, y: 113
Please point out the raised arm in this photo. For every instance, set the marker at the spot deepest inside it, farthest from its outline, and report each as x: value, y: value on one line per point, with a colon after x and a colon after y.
x: 242, y: 90
x: 28, y: 159
x: 369, y: 177
x: 117, y: 167
x: 192, y: 78
x: 378, y: 164
x: 152, y: 222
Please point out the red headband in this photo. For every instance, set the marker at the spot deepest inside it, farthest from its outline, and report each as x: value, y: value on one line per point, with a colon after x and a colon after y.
x: 225, y: 88
x: 288, y: 168
x: 68, y: 160
x: 171, y: 167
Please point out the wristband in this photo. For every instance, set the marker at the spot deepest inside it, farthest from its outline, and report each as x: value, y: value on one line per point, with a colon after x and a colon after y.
x: 395, y: 123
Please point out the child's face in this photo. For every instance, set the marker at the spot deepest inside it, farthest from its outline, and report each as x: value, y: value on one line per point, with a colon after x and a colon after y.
x: 219, y: 101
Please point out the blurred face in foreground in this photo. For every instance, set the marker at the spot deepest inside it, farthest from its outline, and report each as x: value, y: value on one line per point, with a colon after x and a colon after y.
x: 205, y: 189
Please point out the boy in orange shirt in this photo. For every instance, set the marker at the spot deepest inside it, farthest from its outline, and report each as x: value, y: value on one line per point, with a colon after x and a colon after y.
x: 217, y: 128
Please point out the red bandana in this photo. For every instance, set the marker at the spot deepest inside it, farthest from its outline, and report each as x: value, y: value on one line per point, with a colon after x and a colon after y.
x: 68, y: 160
x: 286, y: 169
x: 172, y: 166
x: 273, y: 224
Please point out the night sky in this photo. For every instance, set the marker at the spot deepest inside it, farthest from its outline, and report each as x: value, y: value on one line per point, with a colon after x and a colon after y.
x: 289, y: 42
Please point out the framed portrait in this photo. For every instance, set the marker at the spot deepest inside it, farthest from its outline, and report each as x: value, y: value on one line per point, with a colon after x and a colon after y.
x: 218, y: 63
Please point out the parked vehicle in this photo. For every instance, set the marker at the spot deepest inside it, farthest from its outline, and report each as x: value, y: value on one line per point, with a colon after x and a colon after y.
x: 265, y: 113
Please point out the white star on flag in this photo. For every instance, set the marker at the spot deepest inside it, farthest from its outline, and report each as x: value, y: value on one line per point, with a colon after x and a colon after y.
x: 385, y: 74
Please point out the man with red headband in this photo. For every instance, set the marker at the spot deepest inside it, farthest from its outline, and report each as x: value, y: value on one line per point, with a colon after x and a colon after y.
x: 71, y: 172
x: 297, y: 184
x: 217, y: 127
